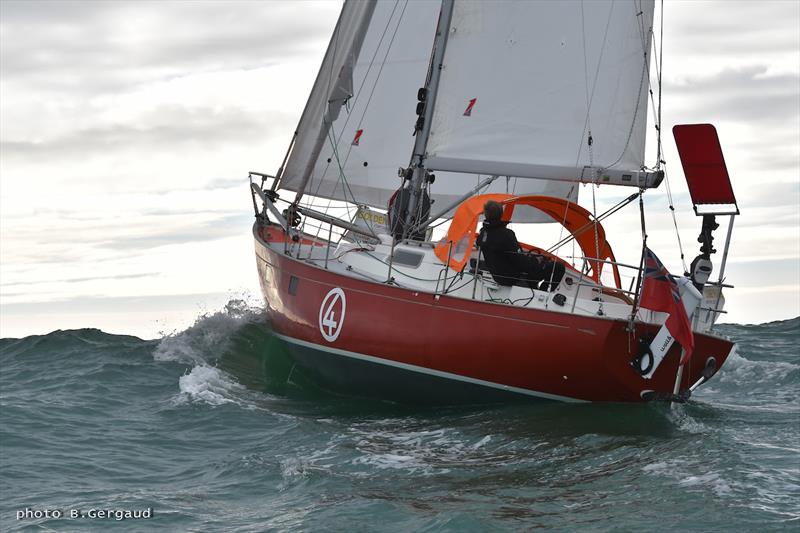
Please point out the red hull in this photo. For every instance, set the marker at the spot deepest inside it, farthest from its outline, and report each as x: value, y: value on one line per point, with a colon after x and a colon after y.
x: 531, y: 352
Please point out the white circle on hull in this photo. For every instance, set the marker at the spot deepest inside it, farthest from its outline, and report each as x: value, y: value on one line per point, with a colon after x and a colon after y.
x: 331, y: 314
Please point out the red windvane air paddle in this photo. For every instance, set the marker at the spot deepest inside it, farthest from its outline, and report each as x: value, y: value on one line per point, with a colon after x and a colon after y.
x: 704, y: 166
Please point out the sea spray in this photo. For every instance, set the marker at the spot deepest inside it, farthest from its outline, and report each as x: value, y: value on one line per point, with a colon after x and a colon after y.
x: 209, y: 336
x: 202, y: 345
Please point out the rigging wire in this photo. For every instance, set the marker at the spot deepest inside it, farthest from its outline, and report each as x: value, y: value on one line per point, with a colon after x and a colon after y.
x: 587, y: 125
x: 610, y: 211
x: 332, y: 137
x: 658, y: 57
x: 328, y: 88
x: 342, y: 177
x: 364, y: 81
x: 378, y: 76
x: 644, y: 76
x: 659, y: 67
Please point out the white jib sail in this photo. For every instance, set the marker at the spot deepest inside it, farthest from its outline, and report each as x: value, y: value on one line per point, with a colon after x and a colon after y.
x: 372, y: 135
x: 524, y: 82
x: 332, y: 89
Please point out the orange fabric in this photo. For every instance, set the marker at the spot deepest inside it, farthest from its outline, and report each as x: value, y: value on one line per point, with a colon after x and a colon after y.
x: 577, y: 220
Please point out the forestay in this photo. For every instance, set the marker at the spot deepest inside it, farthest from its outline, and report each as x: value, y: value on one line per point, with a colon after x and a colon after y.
x: 523, y: 84
x: 372, y: 135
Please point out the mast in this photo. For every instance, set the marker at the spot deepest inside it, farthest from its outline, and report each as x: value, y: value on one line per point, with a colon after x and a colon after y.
x: 419, y: 175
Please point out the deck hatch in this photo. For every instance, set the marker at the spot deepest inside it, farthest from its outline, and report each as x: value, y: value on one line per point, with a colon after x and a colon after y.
x: 407, y: 258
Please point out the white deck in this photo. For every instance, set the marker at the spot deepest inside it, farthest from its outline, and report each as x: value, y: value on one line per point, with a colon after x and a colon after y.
x: 415, y: 266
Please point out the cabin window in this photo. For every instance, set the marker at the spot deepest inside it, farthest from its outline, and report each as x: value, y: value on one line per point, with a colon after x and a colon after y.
x: 293, y: 283
x: 407, y: 258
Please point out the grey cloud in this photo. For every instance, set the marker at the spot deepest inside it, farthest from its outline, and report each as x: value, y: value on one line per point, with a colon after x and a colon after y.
x: 75, y: 280
x: 84, y: 304
x: 746, y: 94
x: 42, y: 251
x: 782, y: 198
x: 773, y: 194
x: 769, y: 106
x: 95, y: 219
x: 209, y: 230
x: 116, y: 245
x: 764, y: 271
x: 777, y: 218
x: 773, y: 150
x: 773, y: 156
x: 725, y: 28
x: 182, y: 211
x: 227, y: 183
x: 66, y: 45
x: 167, y: 126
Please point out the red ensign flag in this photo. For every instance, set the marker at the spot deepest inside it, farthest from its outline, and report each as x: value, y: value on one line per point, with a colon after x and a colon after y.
x: 660, y: 293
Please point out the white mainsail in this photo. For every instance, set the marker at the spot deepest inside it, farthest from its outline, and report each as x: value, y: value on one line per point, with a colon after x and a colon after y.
x: 523, y: 84
x: 372, y: 135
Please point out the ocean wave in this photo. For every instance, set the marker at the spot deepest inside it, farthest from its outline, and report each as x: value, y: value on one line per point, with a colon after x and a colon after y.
x: 689, y: 476
x: 209, y: 336
x: 90, y: 419
x: 739, y: 370
x: 66, y: 343
x: 202, y: 345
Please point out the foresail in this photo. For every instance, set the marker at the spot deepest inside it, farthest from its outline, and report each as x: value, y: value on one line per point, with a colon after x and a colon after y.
x: 524, y: 84
x: 332, y: 89
x: 372, y: 136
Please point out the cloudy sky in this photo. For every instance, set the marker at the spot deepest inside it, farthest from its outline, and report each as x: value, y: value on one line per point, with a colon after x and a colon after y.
x: 127, y: 130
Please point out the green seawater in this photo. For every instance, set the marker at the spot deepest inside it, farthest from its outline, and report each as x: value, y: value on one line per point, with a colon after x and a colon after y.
x: 202, y: 428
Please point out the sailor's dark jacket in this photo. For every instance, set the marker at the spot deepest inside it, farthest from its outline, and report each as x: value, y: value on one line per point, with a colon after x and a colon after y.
x: 501, y: 251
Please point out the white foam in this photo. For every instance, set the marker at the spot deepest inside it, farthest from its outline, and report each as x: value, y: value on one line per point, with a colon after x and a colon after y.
x: 293, y: 467
x: 683, y: 421
x: 680, y: 472
x: 660, y: 466
x: 395, y: 460
x: 711, y: 480
x: 423, y: 451
x: 207, y: 384
x: 300, y: 466
x: 481, y: 442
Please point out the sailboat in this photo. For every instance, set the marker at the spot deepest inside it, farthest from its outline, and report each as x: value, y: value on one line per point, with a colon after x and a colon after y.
x: 422, y: 112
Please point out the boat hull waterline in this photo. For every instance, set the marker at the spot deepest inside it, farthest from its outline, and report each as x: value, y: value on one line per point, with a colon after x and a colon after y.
x: 362, y: 338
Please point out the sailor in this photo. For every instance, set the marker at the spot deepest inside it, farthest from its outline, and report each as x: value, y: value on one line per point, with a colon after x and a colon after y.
x: 505, y: 259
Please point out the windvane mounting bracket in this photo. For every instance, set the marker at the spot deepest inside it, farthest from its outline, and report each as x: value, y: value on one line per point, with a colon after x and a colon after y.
x: 711, y: 192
